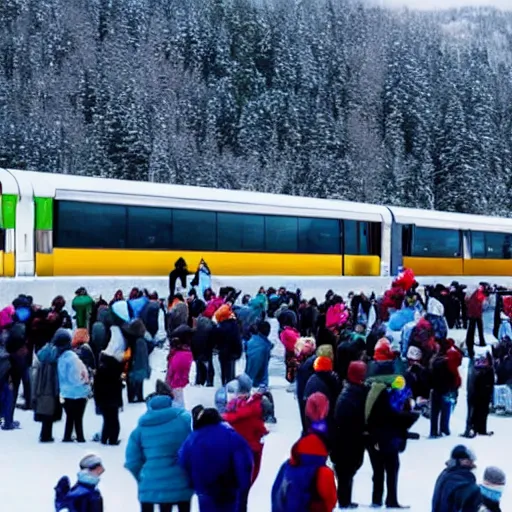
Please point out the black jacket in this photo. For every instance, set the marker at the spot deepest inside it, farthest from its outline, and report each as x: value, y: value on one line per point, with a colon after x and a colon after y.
x: 203, y: 339
x: 456, y: 490
x: 228, y: 340
x: 326, y: 383
x: 108, y: 388
x: 350, y: 425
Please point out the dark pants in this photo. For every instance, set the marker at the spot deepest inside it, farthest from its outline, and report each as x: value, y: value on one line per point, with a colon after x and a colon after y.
x: 440, y: 407
x: 46, y: 430
x: 480, y: 412
x: 135, y: 391
x: 183, y: 506
x: 345, y: 472
x: 388, y: 464
x: 474, y: 323
x: 205, y: 373
x: 75, y: 409
x: 6, y: 403
x: 174, y: 276
x: 20, y: 372
x: 111, y: 426
x: 227, y: 368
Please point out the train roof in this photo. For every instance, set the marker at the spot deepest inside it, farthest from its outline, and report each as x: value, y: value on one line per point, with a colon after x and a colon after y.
x: 66, y: 186
x: 450, y: 220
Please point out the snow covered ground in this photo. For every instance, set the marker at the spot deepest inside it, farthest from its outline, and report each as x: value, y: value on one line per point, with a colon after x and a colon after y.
x: 30, y: 470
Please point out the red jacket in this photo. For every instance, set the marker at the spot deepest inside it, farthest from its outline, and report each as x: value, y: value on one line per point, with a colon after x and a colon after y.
x: 325, y: 483
x: 245, y: 415
x: 454, y: 359
x: 476, y: 304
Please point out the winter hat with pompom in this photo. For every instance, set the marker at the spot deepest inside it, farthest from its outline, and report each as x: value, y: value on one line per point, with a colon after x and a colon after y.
x: 414, y: 354
x: 383, y: 351
x: 322, y: 364
x: 317, y: 407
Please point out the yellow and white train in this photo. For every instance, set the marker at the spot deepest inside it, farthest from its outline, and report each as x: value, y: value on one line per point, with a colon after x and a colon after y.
x: 63, y: 225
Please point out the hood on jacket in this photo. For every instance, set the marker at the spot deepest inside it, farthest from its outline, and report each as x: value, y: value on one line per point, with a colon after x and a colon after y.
x: 434, y: 307
x: 48, y: 354
x: 121, y: 310
x: 62, y: 339
x: 160, y: 410
x: 6, y: 316
x: 310, y: 444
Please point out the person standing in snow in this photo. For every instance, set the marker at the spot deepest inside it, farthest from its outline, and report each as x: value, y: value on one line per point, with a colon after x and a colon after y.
x: 74, y: 387
x: 258, y: 351
x: 152, y: 456
x: 475, y: 313
x: 305, y: 483
x: 179, y: 362
x: 45, y: 395
x: 82, y: 305
x: 218, y: 461
x: 84, y: 496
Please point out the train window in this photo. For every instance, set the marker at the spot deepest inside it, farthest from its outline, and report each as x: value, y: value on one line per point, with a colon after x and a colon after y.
x: 491, y: 245
x: 194, y: 230
x: 319, y: 236
x: 149, y: 228
x: 362, y: 238
x: 90, y: 225
x: 281, y: 234
x: 240, y: 232
x: 435, y: 243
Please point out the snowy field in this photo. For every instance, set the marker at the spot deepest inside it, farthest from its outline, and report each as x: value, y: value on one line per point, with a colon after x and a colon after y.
x: 30, y: 470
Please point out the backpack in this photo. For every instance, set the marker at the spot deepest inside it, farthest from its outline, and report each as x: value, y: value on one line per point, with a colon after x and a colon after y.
x: 295, y: 486
x: 61, y: 495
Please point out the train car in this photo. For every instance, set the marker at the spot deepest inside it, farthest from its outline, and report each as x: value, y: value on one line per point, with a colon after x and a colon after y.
x: 63, y: 225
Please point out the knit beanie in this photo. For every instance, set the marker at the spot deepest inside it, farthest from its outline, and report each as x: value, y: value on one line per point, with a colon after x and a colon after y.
x: 356, y: 373
x: 223, y: 313
x: 322, y: 364
x: 317, y: 407
x: 398, y: 383
x: 383, y: 351
x: 325, y: 351
x: 62, y: 339
x: 460, y: 453
x: 90, y: 461
x: 493, y: 484
x: 244, y: 384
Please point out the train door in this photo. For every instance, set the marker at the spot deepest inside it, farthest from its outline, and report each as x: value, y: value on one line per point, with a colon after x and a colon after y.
x: 8, y: 202
x: 25, y: 219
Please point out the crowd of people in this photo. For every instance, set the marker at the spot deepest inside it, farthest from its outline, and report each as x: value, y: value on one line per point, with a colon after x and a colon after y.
x: 363, y: 371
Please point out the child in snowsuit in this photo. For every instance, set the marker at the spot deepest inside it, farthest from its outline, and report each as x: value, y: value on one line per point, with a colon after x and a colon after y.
x: 304, y: 482
x: 84, y: 496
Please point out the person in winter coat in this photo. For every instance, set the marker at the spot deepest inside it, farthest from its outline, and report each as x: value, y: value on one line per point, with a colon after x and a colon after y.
x: 258, y: 351
x: 152, y: 456
x: 492, y: 488
x: 289, y: 337
x: 80, y: 344
x: 337, y: 315
x: 350, y: 427
x: 19, y: 351
x: 100, y: 332
x: 84, y: 496
x: 178, y: 315
x: 108, y: 395
x: 58, y: 317
x: 324, y: 381
x: 6, y: 392
x: 480, y: 388
x: 417, y: 377
x: 153, y: 317
x: 74, y: 387
x: 179, y: 362
x: 245, y: 414
x: 348, y: 351
x: 228, y: 342
x: 181, y: 272
x: 138, y: 367
x: 82, y: 306
x: 218, y: 461
x: 475, y: 313
x: 387, y: 423
x: 46, y: 392
x: 309, y: 319
x: 259, y: 305
x: 456, y: 489
x: 195, y: 306
x: 304, y: 372
x: 435, y: 316
x: 305, y: 483
x: 202, y: 350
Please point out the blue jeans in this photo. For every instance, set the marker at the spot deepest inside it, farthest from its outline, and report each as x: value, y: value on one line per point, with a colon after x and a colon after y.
x: 6, y: 403
x: 440, y: 409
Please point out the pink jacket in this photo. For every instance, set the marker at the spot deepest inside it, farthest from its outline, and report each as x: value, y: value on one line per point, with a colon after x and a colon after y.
x: 178, y: 368
x: 289, y: 338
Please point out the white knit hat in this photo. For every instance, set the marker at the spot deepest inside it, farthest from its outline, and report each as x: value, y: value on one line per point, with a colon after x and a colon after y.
x: 91, y: 461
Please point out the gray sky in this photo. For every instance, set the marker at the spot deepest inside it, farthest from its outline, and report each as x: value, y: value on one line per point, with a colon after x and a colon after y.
x: 439, y: 4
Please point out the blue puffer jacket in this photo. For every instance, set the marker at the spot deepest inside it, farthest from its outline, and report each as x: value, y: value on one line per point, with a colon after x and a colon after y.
x: 152, y: 453
x: 219, y: 463
x: 73, y: 376
x: 258, y: 356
